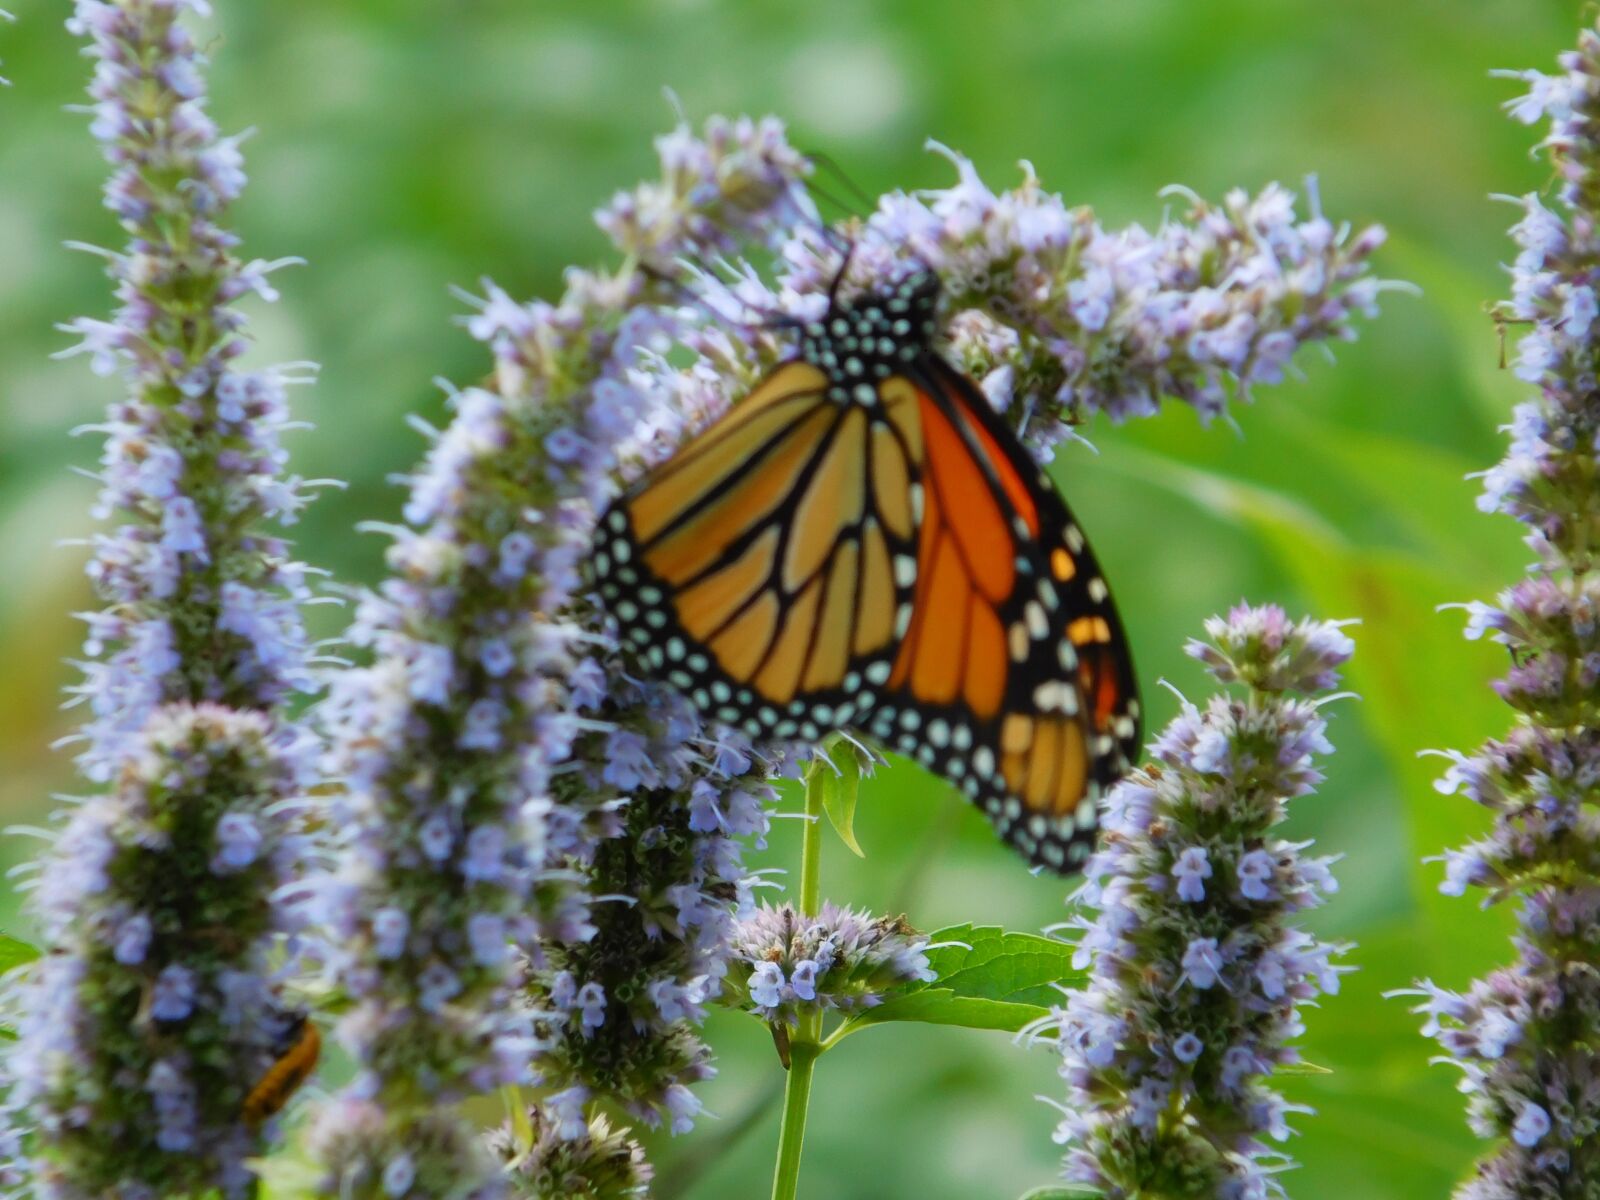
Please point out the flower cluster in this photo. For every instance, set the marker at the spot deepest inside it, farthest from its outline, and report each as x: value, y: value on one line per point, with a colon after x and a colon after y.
x: 602, y: 1162
x: 1525, y: 1036
x: 1545, y: 481
x: 1060, y: 318
x: 1197, y: 976
x: 520, y: 810
x: 162, y: 904
x: 200, y: 603
x: 434, y: 1153
x: 158, y: 1010
x: 839, y: 959
x: 732, y: 184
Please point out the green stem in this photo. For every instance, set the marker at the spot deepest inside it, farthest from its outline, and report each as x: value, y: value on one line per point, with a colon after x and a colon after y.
x: 796, y: 1096
x: 804, y: 1043
x: 811, y: 841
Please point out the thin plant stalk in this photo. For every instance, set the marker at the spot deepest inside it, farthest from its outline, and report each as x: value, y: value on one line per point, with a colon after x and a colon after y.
x: 805, y: 1044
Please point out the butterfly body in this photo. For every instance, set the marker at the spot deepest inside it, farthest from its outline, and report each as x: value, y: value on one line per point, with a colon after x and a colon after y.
x: 862, y: 543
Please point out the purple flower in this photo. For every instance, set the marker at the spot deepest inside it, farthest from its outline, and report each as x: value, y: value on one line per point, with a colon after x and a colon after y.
x: 1194, y: 991
x: 1202, y: 964
x: 188, y: 666
x: 1531, y: 1126
x: 213, y: 1010
x: 1187, y: 1048
x: 571, y: 1158
x: 514, y: 785
x: 1191, y: 870
x: 1256, y: 871
x: 839, y: 959
x: 389, y: 929
x: 1098, y: 320
x: 239, y: 840
x: 766, y: 985
x: 1523, y: 1036
x: 132, y: 940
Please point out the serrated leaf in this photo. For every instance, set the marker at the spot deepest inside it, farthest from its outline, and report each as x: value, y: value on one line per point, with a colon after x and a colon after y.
x: 14, y: 953
x: 841, y: 785
x: 988, y: 978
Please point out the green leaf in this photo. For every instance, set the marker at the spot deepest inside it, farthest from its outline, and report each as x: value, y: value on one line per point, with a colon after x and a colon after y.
x: 841, y: 784
x: 1058, y: 1192
x: 1301, y: 1068
x: 7, y: 1033
x: 987, y: 979
x: 14, y: 953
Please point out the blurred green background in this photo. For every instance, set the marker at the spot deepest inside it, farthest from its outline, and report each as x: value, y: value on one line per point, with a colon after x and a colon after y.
x: 404, y: 146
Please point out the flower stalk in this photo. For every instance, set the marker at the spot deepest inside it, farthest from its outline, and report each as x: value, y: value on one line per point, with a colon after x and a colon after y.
x: 805, y: 1041
x: 165, y: 901
x: 1525, y: 1037
x: 1197, y: 975
x: 539, y: 865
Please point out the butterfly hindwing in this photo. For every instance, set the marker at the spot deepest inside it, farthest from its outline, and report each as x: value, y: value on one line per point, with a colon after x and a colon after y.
x: 990, y: 687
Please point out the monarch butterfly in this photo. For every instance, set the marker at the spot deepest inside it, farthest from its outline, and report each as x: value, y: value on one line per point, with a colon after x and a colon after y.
x: 298, y: 1050
x: 862, y: 542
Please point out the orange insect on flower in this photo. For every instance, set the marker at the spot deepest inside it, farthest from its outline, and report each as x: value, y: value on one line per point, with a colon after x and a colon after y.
x: 299, y: 1049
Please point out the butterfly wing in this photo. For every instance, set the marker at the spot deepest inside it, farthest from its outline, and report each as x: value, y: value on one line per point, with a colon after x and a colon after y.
x: 764, y: 569
x: 1014, y: 678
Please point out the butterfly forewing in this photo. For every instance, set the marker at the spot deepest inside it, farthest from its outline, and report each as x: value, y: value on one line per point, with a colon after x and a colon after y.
x: 862, y: 542
x: 759, y: 570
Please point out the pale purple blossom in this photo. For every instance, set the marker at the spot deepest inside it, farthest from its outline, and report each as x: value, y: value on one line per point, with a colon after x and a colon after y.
x: 515, y: 791
x: 572, y: 1157
x: 1255, y: 872
x: 839, y: 959
x: 187, y: 668
x: 1191, y: 871
x: 1195, y: 986
x: 213, y: 1006
x: 1050, y: 308
x: 1523, y: 1037
x: 1201, y: 963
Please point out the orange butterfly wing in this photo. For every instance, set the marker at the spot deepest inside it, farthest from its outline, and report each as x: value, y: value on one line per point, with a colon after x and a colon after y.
x: 1014, y: 665
x: 757, y: 570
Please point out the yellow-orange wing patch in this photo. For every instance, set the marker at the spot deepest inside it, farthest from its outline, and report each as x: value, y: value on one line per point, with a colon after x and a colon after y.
x: 757, y: 569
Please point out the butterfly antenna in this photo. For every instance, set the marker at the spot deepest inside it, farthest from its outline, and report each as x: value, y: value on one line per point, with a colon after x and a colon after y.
x: 821, y: 159
x: 838, y: 278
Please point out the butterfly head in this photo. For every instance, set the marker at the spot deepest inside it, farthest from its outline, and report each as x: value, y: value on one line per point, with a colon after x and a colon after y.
x: 861, y: 342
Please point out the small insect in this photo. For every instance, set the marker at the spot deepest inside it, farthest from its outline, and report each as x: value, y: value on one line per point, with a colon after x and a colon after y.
x: 863, y: 543
x: 297, y: 1050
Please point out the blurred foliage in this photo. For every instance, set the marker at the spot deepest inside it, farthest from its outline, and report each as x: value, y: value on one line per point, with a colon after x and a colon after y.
x: 406, y: 145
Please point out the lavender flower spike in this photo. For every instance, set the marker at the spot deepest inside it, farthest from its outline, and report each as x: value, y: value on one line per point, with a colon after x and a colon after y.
x: 1061, y: 318
x: 201, y: 604
x: 1526, y: 1036
x: 544, y: 1161
x: 521, y: 812
x: 157, y: 1013
x: 163, y: 902
x: 1197, y: 976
